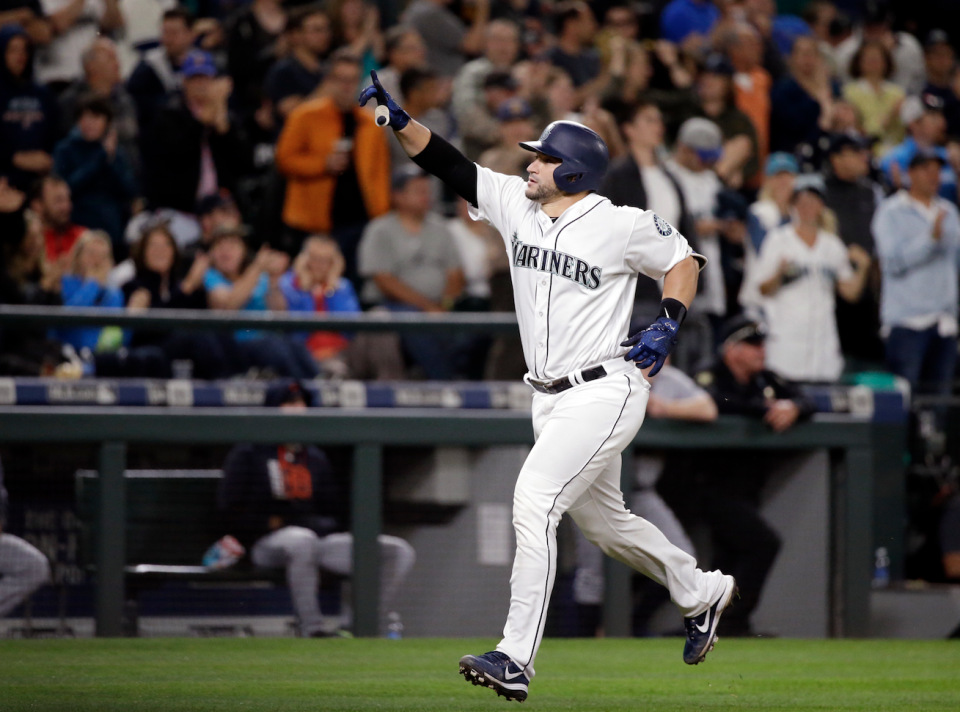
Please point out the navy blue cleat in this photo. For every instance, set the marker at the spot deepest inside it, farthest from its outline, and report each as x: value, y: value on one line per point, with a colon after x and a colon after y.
x: 702, y: 629
x: 498, y: 672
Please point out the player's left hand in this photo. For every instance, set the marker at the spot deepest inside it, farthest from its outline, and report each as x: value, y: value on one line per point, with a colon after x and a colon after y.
x: 398, y: 117
x: 651, y: 346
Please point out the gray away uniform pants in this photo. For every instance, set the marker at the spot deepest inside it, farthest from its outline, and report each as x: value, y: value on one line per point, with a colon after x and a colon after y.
x: 23, y: 569
x: 303, y: 553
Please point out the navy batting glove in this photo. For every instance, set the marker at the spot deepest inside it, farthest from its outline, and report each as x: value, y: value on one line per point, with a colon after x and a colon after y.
x: 398, y: 117
x: 651, y: 346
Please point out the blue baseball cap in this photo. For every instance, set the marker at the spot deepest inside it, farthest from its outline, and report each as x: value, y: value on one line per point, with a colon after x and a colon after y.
x: 514, y: 109
x: 717, y: 63
x: 731, y: 206
x: 198, y: 63
x: 780, y: 162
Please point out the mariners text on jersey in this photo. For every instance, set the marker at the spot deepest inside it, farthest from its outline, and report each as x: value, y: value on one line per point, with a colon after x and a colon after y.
x: 554, y: 262
x: 574, y: 278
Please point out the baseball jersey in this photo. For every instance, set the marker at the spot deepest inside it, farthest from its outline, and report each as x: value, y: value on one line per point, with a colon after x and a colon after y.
x: 803, y: 344
x: 574, y: 279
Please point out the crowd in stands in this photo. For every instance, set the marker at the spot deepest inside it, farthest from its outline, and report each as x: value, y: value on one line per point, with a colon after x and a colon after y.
x: 165, y: 155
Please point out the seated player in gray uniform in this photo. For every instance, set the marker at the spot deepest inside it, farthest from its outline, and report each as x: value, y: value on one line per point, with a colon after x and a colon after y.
x: 282, y: 503
x: 673, y: 394
x: 23, y: 569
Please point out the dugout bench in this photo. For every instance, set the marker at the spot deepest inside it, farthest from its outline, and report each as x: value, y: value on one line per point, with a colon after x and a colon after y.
x: 171, y: 521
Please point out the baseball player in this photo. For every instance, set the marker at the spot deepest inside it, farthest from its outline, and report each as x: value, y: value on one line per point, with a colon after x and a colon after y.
x: 574, y: 259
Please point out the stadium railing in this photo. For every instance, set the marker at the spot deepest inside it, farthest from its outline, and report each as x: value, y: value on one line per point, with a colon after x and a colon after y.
x: 197, y: 319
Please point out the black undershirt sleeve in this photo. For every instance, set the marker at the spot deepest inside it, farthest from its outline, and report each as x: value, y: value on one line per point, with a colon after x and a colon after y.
x: 449, y: 165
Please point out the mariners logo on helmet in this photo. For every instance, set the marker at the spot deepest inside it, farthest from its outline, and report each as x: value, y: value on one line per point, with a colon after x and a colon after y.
x: 663, y: 227
x: 582, y: 154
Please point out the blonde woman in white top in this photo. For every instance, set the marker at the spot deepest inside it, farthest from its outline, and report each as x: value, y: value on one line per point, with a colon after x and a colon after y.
x: 801, y: 267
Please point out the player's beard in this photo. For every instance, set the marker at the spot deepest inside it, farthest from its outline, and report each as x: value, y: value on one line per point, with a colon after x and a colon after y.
x: 542, y: 194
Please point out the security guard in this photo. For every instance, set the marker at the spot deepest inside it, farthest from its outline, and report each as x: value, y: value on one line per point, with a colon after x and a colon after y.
x: 741, y: 385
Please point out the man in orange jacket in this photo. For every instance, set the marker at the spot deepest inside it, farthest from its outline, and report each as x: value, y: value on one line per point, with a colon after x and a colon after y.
x: 336, y: 162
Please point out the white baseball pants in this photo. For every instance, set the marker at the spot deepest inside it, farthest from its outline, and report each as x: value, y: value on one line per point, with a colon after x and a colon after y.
x: 575, y: 467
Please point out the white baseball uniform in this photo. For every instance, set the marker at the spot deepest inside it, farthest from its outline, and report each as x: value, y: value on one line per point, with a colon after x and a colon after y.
x: 574, y: 281
x: 803, y: 343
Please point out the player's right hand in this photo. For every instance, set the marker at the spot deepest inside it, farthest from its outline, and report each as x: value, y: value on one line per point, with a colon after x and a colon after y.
x: 397, y: 118
x: 651, y: 346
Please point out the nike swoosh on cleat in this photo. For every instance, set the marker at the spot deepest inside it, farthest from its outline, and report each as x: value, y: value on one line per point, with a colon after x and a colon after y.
x: 706, y: 625
x: 509, y: 676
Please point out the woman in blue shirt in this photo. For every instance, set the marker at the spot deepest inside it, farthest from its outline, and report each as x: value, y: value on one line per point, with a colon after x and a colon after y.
x: 86, y: 286
x: 234, y: 284
x: 316, y: 284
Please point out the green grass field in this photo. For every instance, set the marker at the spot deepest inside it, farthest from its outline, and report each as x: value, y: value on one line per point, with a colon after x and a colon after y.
x: 421, y: 674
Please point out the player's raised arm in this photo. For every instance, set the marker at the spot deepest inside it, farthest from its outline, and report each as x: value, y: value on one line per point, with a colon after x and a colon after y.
x: 429, y: 151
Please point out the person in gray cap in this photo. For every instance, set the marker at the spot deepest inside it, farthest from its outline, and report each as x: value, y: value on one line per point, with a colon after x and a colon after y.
x: 800, y: 269
x: 699, y: 146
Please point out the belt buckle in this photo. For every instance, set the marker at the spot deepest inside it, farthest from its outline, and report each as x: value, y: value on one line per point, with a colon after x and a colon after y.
x: 548, y: 387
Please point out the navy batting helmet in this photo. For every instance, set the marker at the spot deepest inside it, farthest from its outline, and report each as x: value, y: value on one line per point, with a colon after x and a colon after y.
x: 583, y: 155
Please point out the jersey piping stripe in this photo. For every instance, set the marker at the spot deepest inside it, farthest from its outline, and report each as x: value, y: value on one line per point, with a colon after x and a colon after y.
x: 546, y: 583
x: 536, y: 372
x: 556, y: 240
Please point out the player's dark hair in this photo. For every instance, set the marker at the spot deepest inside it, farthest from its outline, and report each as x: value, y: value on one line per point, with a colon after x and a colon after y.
x: 179, y: 13
x: 414, y: 78
x: 298, y: 15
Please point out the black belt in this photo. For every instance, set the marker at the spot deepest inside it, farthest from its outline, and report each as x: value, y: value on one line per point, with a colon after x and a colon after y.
x: 560, y: 385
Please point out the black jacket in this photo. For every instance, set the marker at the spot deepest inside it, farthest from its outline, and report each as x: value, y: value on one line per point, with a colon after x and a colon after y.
x: 751, y: 398
x: 858, y: 323
x: 623, y: 185
x: 854, y: 204
x: 172, y: 162
x: 247, y: 498
x: 176, y: 299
